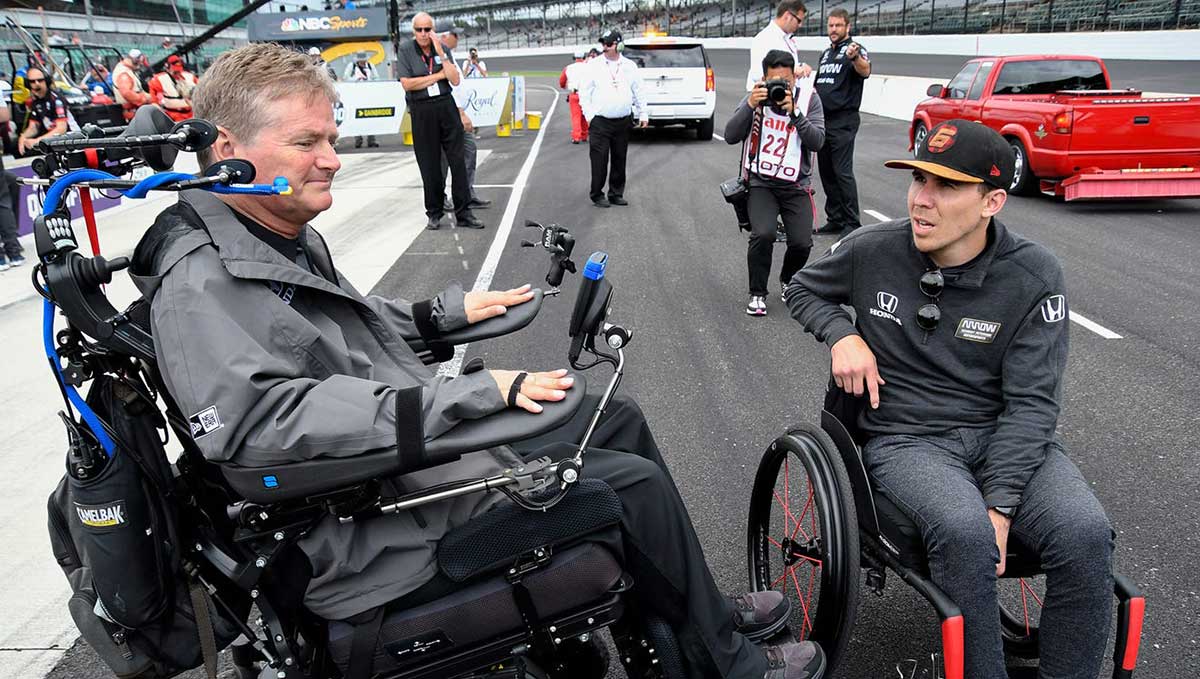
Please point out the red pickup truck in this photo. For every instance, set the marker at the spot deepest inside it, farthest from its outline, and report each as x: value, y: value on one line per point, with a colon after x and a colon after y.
x: 1072, y: 134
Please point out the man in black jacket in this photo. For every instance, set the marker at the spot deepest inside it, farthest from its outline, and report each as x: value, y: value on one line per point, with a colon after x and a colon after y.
x: 781, y: 139
x: 960, y: 347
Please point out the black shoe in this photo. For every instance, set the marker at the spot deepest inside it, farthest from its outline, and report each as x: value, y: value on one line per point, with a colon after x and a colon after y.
x: 797, y: 660
x: 601, y: 202
x: 358, y: 143
x: 574, y: 141
x: 479, y: 203
x: 760, y: 615
x: 780, y: 236
x: 828, y: 230
x: 434, y: 223
x: 617, y: 200
x: 470, y: 222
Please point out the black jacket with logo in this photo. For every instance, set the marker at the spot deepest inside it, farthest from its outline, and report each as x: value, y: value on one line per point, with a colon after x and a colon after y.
x: 996, y: 358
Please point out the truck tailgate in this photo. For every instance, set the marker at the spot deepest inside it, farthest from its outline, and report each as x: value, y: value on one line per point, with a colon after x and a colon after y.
x: 1146, y: 126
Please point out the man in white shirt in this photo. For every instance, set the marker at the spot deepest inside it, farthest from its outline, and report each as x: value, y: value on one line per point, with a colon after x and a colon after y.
x: 777, y: 35
x: 473, y: 66
x: 610, y: 96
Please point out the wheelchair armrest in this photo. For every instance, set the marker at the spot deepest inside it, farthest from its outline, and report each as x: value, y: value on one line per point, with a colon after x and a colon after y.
x: 298, y: 480
x: 514, y: 319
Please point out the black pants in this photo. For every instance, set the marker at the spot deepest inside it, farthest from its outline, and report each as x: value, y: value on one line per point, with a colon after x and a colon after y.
x: 659, y: 544
x: 10, y: 198
x: 835, y: 161
x: 795, y: 206
x: 437, y: 129
x: 608, y: 138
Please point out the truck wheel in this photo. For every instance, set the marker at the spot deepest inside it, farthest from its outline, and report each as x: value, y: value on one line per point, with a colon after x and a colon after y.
x: 919, y: 134
x: 1023, y: 179
x: 704, y: 131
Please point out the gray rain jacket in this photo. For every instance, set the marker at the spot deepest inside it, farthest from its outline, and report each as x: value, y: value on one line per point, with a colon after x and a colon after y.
x: 279, y: 364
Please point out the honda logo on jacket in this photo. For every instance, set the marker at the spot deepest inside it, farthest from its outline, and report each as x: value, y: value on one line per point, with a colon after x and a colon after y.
x: 888, y: 302
x: 1054, y: 309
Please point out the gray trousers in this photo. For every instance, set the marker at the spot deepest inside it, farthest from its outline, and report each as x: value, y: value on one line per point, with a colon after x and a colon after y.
x: 930, y: 479
x: 9, y: 245
x: 469, y: 152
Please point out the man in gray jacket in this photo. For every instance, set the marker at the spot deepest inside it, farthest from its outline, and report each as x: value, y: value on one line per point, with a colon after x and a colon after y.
x: 275, y: 357
x: 780, y: 141
x: 959, y: 350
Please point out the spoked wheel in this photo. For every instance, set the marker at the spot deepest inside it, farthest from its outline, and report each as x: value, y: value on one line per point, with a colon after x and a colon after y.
x: 803, y: 537
x: 1020, y: 613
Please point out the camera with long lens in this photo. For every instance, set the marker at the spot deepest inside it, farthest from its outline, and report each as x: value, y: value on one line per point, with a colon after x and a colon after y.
x: 778, y: 90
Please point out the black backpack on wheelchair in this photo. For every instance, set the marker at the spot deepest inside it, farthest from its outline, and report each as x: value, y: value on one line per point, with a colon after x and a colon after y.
x: 518, y: 593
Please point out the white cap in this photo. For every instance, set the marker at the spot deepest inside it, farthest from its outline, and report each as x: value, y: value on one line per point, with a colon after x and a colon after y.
x: 579, y: 54
x: 314, y: 51
x: 134, y: 53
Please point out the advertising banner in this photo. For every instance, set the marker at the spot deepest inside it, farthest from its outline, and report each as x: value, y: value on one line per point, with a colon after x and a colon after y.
x: 482, y: 99
x: 369, y: 107
x: 518, y: 97
x: 30, y: 205
x: 344, y: 24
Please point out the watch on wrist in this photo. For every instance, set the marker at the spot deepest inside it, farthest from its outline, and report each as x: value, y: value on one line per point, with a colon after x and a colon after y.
x: 1006, y: 512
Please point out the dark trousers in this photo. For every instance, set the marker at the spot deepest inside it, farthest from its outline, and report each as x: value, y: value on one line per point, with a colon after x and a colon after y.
x: 608, y: 138
x: 1059, y: 519
x: 470, y: 152
x: 437, y: 129
x: 795, y: 206
x: 835, y: 161
x: 10, y: 197
x: 659, y: 544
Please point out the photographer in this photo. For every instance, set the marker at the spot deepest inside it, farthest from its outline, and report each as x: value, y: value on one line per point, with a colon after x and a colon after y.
x: 473, y: 66
x: 780, y: 138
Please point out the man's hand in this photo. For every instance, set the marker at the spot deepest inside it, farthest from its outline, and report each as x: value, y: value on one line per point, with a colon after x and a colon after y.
x: 545, y: 386
x: 466, y: 121
x: 1001, y: 524
x: 757, y: 95
x: 852, y: 51
x: 437, y: 47
x: 491, y: 303
x: 803, y: 71
x: 645, y: 122
x: 788, y: 105
x: 854, y: 366
x: 25, y: 144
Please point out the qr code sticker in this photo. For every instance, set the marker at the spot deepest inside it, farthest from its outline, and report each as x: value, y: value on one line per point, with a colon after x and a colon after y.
x: 205, y: 422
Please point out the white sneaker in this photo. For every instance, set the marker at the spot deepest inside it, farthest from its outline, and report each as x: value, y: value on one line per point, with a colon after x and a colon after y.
x: 4, y: 265
x: 757, y: 306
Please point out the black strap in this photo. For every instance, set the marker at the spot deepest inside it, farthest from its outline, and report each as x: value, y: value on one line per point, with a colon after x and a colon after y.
x: 515, y: 389
x: 204, y: 625
x: 362, y: 646
x: 474, y: 365
x: 410, y: 429
x: 423, y: 317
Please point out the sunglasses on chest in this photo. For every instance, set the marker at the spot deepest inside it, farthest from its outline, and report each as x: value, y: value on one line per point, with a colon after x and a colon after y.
x: 930, y: 314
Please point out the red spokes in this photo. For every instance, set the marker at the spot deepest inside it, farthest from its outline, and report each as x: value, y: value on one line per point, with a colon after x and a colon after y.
x: 798, y: 547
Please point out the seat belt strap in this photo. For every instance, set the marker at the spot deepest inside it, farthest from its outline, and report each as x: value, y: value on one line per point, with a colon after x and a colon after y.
x: 363, y: 643
x: 204, y: 625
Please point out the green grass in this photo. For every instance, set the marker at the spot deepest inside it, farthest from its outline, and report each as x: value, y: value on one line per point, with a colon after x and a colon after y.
x: 537, y: 74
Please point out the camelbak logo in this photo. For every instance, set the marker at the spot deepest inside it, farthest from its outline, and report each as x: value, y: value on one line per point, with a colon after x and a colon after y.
x: 888, y: 302
x: 103, y: 516
x: 975, y: 330
x: 1054, y: 309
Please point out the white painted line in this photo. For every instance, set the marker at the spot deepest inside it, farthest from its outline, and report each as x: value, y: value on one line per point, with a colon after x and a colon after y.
x: 718, y: 137
x: 430, y: 254
x: 460, y: 250
x: 877, y: 215
x: 484, y: 280
x: 1093, y: 326
x: 466, y: 267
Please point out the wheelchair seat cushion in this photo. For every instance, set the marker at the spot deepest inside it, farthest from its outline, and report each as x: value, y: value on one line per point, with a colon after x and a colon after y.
x: 902, y: 538
x: 497, y: 538
x: 484, y: 610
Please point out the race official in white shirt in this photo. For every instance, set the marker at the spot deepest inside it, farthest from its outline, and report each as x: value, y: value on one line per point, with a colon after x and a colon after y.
x: 610, y: 96
x: 777, y: 35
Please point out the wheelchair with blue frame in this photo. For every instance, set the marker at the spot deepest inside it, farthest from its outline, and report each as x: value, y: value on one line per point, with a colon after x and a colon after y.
x: 529, y: 587
x: 816, y: 524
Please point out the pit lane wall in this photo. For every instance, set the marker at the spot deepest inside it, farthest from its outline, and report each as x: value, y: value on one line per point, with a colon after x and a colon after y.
x: 894, y: 96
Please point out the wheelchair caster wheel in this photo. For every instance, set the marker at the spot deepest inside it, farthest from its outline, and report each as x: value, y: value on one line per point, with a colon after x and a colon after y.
x: 803, y: 537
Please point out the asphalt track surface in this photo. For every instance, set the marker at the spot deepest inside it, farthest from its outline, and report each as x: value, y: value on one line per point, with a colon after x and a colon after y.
x: 718, y: 386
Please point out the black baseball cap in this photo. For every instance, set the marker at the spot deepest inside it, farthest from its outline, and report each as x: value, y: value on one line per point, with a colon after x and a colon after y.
x: 610, y: 37
x: 964, y: 151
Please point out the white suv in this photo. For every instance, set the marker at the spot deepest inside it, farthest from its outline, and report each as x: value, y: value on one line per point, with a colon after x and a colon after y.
x: 677, y: 80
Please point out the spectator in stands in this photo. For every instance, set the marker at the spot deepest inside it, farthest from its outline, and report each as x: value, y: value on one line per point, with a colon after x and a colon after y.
x: 11, y: 255
x: 611, y: 97
x: 473, y: 66
x: 844, y: 66
x: 127, y: 84
x: 570, y: 81
x: 46, y: 112
x: 449, y: 38
x: 172, y: 89
x: 428, y: 72
x: 362, y: 70
x: 777, y: 35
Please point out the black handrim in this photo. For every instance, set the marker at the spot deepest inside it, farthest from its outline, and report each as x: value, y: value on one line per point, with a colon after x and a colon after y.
x: 810, y: 553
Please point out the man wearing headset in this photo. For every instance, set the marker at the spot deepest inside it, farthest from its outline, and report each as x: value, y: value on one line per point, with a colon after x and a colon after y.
x: 960, y: 347
x: 611, y: 97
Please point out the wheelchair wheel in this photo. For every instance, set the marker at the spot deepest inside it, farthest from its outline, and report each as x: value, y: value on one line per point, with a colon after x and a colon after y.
x: 803, y: 537
x: 1020, y: 613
